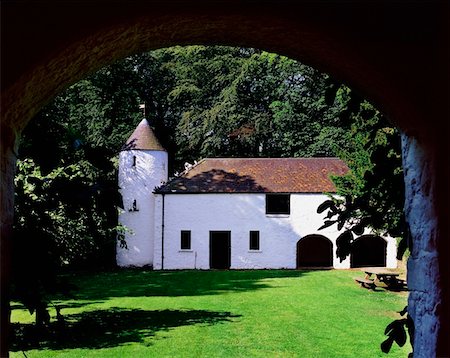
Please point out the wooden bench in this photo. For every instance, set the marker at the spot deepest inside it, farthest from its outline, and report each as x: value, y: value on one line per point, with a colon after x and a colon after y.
x: 393, y: 283
x: 384, y: 278
x: 366, y: 283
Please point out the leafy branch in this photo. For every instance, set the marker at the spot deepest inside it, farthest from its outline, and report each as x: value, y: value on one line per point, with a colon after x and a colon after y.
x: 396, y: 332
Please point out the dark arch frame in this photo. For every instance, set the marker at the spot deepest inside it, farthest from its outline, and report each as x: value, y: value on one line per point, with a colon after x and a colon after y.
x: 314, y: 251
x: 313, y: 33
x: 368, y: 251
x: 49, y: 45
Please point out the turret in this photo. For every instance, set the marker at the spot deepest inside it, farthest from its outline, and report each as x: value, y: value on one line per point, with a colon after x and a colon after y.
x: 142, y: 166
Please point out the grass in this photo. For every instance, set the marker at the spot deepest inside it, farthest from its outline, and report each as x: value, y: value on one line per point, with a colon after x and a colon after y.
x: 268, y: 313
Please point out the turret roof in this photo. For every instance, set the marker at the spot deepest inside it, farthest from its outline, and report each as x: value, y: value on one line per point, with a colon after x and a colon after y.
x: 143, y: 138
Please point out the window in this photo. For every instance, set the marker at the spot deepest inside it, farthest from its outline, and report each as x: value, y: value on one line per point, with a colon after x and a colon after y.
x: 254, y: 240
x: 278, y: 204
x: 185, y: 240
x: 134, y: 206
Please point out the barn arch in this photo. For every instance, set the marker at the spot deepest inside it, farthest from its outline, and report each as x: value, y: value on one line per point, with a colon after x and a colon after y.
x: 368, y: 251
x: 314, y: 251
x: 377, y: 60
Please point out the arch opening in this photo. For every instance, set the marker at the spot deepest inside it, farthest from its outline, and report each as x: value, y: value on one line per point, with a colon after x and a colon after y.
x: 368, y: 251
x: 314, y: 261
x: 314, y: 251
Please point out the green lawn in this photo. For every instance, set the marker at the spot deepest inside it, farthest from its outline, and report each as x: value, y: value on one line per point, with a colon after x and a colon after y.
x: 269, y: 313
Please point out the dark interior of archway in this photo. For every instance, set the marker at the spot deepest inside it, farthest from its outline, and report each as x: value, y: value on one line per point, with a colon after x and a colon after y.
x: 368, y: 251
x: 314, y: 251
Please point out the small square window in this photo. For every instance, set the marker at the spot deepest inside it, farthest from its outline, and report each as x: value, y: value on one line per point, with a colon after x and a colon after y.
x: 278, y: 204
x: 134, y: 206
x: 185, y: 240
x: 254, y: 240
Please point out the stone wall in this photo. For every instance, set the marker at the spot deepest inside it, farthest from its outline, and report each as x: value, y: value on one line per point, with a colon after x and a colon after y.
x: 425, y: 278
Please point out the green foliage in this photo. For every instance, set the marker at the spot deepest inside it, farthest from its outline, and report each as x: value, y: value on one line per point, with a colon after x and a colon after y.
x: 65, y: 208
x: 397, y: 331
x: 269, y: 106
x: 42, y: 204
x: 371, y: 195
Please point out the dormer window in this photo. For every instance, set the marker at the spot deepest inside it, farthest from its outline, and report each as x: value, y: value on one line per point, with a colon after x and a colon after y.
x: 278, y: 204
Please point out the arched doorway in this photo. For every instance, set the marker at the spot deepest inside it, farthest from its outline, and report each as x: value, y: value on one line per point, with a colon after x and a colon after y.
x: 314, y: 251
x: 368, y: 251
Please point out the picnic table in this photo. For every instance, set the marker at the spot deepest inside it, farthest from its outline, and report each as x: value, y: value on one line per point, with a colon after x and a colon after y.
x: 380, y: 276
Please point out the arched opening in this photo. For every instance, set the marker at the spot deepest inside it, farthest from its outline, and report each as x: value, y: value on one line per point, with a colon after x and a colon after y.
x: 314, y: 251
x: 368, y: 251
x: 322, y: 34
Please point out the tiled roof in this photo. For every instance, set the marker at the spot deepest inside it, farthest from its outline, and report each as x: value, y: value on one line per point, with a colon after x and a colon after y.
x: 258, y: 175
x: 143, y: 138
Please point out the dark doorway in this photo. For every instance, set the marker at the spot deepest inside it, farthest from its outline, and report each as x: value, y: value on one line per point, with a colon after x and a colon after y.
x: 368, y: 251
x: 219, y: 249
x: 314, y: 251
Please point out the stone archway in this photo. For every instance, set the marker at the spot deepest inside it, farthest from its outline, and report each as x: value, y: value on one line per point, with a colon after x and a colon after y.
x: 314, y: 251
x: 368, y: 251
x: 395, y: 53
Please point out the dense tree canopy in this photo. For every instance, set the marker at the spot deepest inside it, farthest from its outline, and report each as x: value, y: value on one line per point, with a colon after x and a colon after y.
x: 371, y: 195
x: 203, y: 101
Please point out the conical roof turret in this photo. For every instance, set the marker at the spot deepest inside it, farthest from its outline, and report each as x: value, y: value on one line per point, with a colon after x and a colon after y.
x: 143, y: 138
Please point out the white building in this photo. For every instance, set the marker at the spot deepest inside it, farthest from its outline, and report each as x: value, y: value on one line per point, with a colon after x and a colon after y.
x: 232, y: 213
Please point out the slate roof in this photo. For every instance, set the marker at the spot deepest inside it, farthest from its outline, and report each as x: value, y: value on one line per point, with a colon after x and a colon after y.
x: 258, y: 175
x: 143, y: 138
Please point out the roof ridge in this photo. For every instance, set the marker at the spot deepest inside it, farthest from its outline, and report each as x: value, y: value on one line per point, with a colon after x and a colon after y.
x: 187, y: 170
x: 269, y: 158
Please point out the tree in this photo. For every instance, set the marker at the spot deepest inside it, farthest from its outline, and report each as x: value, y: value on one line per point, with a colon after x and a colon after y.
x: 371, y: 195
x: 65, y: 212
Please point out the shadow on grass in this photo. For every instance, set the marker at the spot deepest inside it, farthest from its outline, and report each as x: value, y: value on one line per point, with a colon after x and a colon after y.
x: 61, y: 304
x: 138, y: 283
x: 109, y: 328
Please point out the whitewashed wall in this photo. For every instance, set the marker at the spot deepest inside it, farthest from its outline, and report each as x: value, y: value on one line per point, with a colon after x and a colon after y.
x: 137, y: 183
x: 240, y: 213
